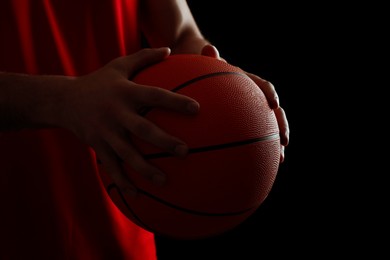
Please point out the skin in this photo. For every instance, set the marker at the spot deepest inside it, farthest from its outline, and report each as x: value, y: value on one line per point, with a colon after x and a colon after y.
x: 100, y: 108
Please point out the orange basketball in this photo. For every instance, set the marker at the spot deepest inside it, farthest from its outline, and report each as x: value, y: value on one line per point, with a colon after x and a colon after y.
x: 233, y: 158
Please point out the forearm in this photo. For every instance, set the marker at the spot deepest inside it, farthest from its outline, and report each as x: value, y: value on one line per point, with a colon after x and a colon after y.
x: 171, y: 23
x: 30, y: 101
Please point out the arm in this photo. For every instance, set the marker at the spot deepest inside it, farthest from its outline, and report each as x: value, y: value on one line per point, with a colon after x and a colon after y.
x: 99, y: 108
x: 33, y: 101
x: 30, y: 101
x: 170, y: 23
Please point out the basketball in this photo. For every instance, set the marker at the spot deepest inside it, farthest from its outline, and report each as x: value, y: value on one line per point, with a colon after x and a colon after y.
x: 233, y: 159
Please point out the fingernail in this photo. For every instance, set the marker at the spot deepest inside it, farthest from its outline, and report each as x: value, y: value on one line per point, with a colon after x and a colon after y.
x: 193, y: 107
x: 167, y: 49
x: 181, y: 150
x: 276, y: 101
x: 159, y: 179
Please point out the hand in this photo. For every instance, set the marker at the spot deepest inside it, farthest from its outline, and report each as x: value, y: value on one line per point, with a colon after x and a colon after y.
x: 103, y: 110
x: 272, y: 98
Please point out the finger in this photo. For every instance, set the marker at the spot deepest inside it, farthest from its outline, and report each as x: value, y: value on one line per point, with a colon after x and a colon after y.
x: 268, y: 89
x: 210, y: 51
x: 149, y: 132
x: 282, y: 155
x: 284, y: 129
x: 124, y: 149
x: 112, y: 166
x: 159, y: 97
x: 131, y: 64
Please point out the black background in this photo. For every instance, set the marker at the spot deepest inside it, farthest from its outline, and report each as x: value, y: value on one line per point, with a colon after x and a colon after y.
x: 319, y: 205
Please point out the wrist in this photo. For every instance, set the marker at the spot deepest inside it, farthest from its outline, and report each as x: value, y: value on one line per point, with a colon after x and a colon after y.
x: 53, y: 103
x: 28, y: 101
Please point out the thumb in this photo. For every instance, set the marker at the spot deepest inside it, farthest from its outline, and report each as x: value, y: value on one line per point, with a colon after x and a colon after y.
x: 130, y: 64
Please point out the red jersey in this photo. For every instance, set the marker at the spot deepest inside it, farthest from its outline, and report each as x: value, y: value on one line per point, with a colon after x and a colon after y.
x: 53, y: 203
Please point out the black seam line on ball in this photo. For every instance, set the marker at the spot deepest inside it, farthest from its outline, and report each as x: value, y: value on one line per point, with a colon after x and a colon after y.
x: 113, y: 185
x: 144, y: 111
x: 185, y: 84
x: 214, y: 147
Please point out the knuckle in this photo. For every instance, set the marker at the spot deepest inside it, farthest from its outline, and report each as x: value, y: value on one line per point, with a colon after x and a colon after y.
x: 155, y: 95
x: 142, y: 129
x: 125, y: 153
x: 139, y: 165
